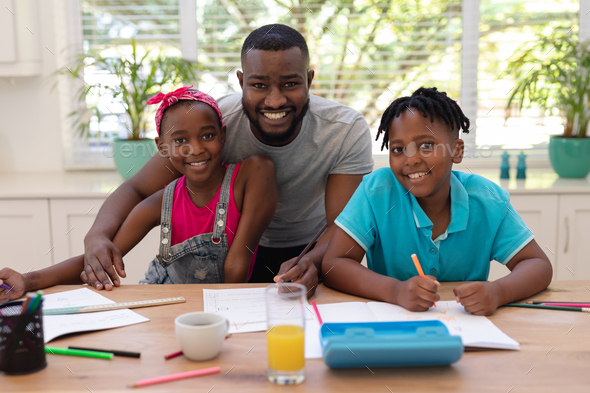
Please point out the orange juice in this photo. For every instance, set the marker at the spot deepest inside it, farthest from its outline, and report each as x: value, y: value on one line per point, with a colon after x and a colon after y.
x: 285, y: 348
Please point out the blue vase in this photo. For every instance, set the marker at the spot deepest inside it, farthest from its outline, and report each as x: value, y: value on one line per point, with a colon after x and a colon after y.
x: 131, y: 155
x: 570, y: 157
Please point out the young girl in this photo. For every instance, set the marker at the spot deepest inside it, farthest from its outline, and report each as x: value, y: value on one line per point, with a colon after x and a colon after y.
x: 211, y: 218
x: 455, y: 222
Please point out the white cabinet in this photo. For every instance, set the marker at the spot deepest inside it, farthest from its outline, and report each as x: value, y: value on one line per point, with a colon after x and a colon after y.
x: 20, y: 47
x: 25, y: 234
x: 574, y: 230
x: 70, y: 221
x: 539, y: 213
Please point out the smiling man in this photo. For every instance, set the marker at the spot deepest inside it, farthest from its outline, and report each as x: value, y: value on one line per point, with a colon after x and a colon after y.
x: 321, y: 150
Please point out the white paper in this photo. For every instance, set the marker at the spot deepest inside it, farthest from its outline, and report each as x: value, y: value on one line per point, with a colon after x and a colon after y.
x: 245, y: 309
x: 475, y: 331
x: 58, y: 325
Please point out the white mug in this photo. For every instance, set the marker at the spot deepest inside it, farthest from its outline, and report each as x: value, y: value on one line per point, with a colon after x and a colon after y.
x: 200, y: 334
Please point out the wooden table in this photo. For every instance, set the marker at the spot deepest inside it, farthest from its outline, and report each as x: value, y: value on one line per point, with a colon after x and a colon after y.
x: 554, y: 355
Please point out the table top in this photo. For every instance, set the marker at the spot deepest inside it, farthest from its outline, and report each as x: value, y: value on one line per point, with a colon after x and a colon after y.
x: 554, y: 355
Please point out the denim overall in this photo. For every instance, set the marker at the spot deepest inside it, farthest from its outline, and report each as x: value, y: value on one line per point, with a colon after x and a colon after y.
x: 197, y: 260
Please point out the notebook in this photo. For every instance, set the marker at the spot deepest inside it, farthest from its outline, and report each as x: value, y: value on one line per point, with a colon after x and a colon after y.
x: 475, y: 331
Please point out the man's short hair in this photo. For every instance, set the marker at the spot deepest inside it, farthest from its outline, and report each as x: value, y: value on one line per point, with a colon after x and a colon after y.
x: 275, y: 37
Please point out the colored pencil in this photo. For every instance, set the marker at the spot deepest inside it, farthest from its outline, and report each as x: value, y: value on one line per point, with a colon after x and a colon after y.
x: 5, y: 287
x: 563, y: 304
x: 35, y: 303
x: 306, y: 249
x: 173, y: 355
x: 419, y: 268
x: 114, y: 352
x: 26, y: 303
x: 543, y: 307
x: 75, y: 352
x: 317, y: 312
x: 174, y: 377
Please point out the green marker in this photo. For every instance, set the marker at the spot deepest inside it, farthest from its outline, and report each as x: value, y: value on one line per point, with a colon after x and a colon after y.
x: 77, y: 352
x: 35, y: 302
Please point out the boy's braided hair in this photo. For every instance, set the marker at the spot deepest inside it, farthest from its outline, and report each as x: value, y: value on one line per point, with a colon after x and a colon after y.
x: 429, y: 101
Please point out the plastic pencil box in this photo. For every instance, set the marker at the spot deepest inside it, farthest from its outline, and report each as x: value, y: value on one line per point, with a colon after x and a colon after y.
x: 389, y: 344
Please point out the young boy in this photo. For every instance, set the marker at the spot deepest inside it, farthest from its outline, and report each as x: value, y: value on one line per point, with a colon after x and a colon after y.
x: 455, y: 222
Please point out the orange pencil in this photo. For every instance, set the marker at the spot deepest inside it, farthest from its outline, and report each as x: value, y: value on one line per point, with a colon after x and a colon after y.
x: 419, y: 268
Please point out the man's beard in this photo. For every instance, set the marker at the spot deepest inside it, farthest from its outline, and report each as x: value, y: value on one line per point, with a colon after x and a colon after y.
x: 276, y: 138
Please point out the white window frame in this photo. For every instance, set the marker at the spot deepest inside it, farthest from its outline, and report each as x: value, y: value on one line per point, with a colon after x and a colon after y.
x: 68, y: 33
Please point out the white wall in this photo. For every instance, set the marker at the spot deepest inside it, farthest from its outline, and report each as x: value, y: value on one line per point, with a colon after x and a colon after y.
x: 30, y: 126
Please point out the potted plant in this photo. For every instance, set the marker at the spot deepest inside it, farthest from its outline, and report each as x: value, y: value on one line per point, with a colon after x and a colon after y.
x: 554, y: 72
x: 136, y: 78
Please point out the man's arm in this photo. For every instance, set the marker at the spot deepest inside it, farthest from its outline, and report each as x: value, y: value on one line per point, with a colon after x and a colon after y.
x: 136, y: 226
x: 339, y: 190
x: 100, y: 254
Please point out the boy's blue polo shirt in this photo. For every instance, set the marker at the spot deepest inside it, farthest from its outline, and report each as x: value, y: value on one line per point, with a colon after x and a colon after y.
x: 387, y: 221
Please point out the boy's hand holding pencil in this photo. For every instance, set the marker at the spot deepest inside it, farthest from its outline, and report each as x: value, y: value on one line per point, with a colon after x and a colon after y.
x: 417, y: 293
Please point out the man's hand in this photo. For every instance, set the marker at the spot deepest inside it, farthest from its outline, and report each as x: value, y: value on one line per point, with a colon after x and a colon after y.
x: 15, y: 281
x: 417, y: 293
x: 304, y: 273
x: 479, y: 297
x: 103, y: 263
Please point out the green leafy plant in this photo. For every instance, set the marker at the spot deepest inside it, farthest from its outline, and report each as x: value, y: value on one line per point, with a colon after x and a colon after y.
x: 553, y: 72
x: 138, y: 77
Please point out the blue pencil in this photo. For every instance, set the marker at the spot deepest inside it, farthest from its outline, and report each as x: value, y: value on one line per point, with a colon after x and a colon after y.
x: 5, y: 287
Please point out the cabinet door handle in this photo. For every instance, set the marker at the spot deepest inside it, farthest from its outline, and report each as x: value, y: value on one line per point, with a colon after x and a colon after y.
x: 567, y: 234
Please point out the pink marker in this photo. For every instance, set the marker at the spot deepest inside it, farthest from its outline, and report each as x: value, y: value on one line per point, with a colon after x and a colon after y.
x: 174, y: 377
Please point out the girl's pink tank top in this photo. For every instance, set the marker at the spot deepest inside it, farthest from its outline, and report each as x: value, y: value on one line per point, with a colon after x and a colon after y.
x: 189, y: 220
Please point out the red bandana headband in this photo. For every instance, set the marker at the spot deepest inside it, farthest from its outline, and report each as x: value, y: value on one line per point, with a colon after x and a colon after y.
x: 181, y: 94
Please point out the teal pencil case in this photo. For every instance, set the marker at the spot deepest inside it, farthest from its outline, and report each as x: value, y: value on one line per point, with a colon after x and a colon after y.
x: 389, y: 344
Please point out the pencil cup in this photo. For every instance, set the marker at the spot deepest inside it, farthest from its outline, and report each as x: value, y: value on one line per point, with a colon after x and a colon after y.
x: 22, y: 349
x: 285, y: 315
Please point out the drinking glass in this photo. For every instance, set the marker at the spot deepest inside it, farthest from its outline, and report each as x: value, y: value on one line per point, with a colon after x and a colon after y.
x: 285, y: 305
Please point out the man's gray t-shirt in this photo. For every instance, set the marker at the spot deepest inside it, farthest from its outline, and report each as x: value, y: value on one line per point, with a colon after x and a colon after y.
x: 334, y: 139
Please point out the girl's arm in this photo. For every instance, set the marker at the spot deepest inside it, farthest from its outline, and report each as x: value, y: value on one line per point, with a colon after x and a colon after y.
x: 66, y: 272
x: 141, y: 220
x: 342, y: 270
x: 531, y: 272
x: 257, y: 182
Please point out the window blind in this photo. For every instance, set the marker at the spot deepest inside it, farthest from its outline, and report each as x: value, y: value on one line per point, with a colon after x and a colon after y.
x: 504, y: 27
x: 364, y: 53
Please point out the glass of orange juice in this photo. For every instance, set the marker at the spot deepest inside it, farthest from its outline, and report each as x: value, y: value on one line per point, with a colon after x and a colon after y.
x: 285, y: 305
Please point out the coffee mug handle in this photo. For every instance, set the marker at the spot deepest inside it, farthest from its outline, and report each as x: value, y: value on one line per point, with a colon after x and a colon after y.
x: 226, y: 327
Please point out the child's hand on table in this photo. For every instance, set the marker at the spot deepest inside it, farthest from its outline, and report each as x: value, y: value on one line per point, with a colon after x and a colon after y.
x: 479, y: 297
x: 14, y: 280
x: 417, y: 293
